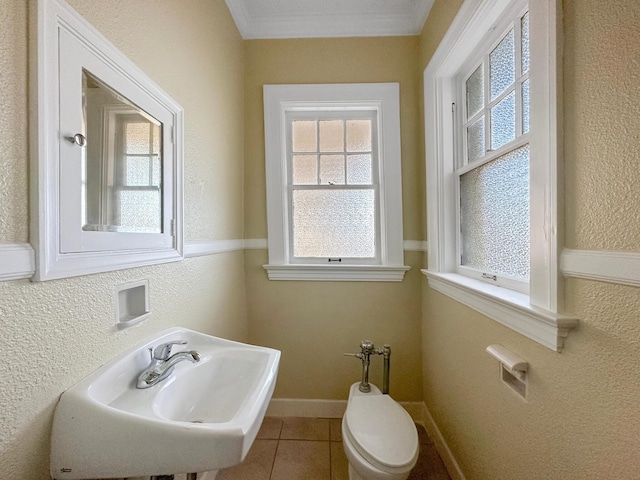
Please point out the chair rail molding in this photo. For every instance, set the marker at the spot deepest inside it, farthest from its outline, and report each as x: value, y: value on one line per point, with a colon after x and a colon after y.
x: 17, y: 260
x: 602, y: 265
x: 199, y: 248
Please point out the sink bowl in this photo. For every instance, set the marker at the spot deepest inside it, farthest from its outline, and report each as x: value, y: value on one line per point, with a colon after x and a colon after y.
x: 204, y: 417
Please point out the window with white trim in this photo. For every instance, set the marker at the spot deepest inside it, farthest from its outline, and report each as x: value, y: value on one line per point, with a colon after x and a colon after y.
x: 492, y: 157
x: 493, y: 145
x: 332, y: 187
x: 334, y: 200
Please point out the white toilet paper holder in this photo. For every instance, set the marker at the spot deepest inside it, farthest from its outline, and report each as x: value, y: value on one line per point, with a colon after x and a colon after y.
x: 514, y: 364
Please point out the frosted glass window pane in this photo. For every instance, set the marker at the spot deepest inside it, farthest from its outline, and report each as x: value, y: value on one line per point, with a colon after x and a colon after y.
x: 156, y: 175
x: 494, y: 215
x: 475, y: 92
x: 303, y: 133
x: 137, y: 138
x: 137, y: 171
x: 305, y: 170
x: 475, y: 140
x: 359, y: 135
x: 502, y: 65
x: 525, y: 106
x: 503, y: 121
x: 525, y: 42
x: 332, y: 136
x: 332, y: 169
x: 359, y: 169
x: 156, y: 139
x: 139, y: 211
x: 334, y: 223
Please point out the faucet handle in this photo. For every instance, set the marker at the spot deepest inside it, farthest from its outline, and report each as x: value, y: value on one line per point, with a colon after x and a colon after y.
x: 162, y: 352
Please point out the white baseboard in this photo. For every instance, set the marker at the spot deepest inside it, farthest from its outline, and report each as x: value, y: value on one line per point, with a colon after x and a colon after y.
x: 441, y: 445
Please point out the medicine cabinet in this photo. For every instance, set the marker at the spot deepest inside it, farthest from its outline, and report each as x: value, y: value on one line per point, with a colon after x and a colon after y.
x: 106, y: 153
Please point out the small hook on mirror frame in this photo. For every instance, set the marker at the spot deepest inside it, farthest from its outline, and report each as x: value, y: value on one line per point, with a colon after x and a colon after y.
x: 79, y: 139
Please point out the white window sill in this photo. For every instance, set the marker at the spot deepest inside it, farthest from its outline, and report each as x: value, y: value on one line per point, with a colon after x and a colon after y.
x: 507, y: 307
x: 337, y: 273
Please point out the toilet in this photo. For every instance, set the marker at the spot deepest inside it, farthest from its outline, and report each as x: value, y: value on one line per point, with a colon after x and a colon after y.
x: 379, y: 437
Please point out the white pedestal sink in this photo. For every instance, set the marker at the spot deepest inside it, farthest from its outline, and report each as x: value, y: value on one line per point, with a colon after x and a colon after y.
x: 203, y: 417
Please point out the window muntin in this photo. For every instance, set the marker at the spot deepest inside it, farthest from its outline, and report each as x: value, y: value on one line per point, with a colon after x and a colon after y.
x: 333, y: 187
x: 492, y: 173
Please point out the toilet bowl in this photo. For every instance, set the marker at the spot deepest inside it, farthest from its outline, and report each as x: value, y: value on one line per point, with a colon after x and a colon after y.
x: 379, y: 437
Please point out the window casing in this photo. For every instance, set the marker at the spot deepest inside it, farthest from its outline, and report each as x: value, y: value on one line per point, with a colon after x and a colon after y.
x: 334, y: 201
x: 536, y: 313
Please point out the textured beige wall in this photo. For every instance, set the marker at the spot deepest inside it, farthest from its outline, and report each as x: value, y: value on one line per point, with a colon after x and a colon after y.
x: 602, y: 127
x: 581, y: 419
x: 313, y: 323
x: 55, y: 333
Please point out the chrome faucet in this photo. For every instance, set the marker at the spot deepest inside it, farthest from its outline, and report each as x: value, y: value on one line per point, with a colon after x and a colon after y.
x: 162, y: 363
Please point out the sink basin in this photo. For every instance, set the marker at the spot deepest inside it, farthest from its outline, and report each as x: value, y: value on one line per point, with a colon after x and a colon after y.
x: 204, y: 417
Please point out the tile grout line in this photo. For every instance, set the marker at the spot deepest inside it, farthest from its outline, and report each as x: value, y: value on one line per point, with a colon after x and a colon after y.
x: 273, y: 463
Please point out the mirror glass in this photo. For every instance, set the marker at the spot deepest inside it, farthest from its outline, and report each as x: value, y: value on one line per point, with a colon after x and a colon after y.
x: 123, y: 155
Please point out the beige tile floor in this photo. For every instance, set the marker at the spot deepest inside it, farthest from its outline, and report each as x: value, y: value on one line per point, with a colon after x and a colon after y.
x: 295, y: 448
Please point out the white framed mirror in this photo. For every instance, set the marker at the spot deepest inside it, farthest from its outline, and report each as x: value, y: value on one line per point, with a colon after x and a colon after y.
x: 106, y: 153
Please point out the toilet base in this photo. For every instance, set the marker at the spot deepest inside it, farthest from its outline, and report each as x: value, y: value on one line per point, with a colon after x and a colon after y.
x: 353, y: 475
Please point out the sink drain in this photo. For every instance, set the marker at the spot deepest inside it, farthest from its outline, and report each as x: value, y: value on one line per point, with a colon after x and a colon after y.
x: 197, y: 421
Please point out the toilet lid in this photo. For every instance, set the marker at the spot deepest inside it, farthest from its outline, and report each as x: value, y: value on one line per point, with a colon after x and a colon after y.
x: 382, y: 431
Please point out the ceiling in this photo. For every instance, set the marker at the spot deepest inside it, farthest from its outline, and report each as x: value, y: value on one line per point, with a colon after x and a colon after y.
x: 328, y: 18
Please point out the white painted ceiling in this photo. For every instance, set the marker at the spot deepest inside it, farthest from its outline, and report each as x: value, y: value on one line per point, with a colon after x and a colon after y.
x: 328, y: 18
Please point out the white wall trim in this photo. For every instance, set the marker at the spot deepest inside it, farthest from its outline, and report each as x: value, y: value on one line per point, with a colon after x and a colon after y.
x: 507, y: 307
x: 415, y: 246
x: 17, y: 261
x: 337, y: 273
x: 455, y: 472
x: 602, y: 265
x: 198, y: 248
x: 381, y: 98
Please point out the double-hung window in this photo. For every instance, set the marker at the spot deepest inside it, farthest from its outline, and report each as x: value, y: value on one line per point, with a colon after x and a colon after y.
x: 493, y: 145
x: 333, y: 182
x: 492, y: 157
x: 333, y: 193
